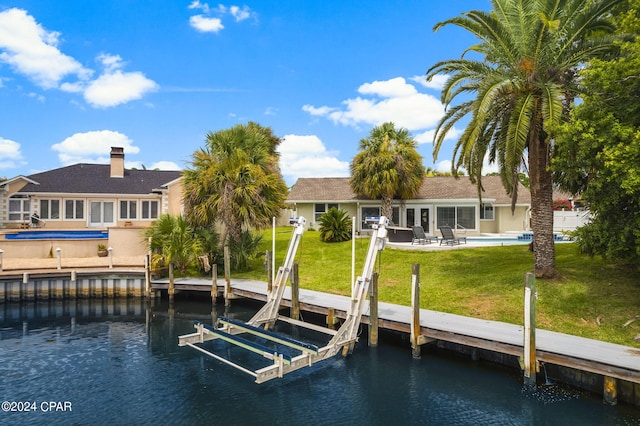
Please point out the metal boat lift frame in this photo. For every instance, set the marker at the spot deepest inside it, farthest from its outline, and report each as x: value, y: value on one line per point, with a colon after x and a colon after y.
x: 342, y: 339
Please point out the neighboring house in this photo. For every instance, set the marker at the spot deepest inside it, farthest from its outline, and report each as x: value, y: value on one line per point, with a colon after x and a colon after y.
x: 442, y: 200
x: 84, y: 196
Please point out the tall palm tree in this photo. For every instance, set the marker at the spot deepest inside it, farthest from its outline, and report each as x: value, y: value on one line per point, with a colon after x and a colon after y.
x: 524, y: 80
x: 387, y: 166
x: 235, y: 179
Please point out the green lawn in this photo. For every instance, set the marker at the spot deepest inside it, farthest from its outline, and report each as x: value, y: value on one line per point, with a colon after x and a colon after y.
x: 592, y: 299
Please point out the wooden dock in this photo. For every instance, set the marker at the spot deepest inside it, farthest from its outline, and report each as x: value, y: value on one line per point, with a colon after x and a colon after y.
x: 602, y: 358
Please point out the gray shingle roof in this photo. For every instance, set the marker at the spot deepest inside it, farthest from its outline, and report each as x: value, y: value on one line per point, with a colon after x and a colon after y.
x: 433, y: 188
x: 95, y: 179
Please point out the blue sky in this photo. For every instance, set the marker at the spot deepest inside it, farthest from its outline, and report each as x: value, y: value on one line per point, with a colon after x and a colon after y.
x: 80, y: 76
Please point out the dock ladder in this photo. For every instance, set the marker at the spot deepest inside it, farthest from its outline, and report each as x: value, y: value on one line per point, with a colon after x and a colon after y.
x: 342, y: 339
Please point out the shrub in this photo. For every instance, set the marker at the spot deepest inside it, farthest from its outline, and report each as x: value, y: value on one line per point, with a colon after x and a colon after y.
x: 243, y: 252
x: 335, y: 226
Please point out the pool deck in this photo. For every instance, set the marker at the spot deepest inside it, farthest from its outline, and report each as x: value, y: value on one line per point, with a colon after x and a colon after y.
x: 11, y: 266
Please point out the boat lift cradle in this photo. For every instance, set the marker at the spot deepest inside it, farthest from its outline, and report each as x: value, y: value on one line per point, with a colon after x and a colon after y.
x: 342, y: 339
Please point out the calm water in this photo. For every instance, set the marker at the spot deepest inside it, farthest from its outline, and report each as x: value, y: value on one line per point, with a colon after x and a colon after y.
x: 118, y: 363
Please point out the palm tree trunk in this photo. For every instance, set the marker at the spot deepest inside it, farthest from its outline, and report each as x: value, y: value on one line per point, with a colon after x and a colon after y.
x: 386, y: 209
x: 542, y: 209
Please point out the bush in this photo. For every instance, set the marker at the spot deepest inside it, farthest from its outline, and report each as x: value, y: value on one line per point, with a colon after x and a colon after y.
x: 244, y: 252
x: 335, y: 226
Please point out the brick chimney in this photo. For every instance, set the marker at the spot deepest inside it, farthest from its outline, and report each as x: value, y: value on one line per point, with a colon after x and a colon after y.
x: 117, y: 162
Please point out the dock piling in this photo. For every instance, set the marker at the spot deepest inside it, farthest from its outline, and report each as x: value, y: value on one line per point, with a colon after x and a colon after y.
x: 374, y: 321
x: 415, y: 309
x: 171, y: 284
x: 530, y: 361
x: 214, y: 283
x: 295, y: 293
x: 227, y: 277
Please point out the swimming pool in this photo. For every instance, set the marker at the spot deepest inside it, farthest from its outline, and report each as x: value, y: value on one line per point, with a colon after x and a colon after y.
x: 58, y: 235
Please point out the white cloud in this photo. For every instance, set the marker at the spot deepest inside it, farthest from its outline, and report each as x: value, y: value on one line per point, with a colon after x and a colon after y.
x: 306, y: 156
x: 436, y: 82
x: 197, y: 5
x: 92, y: 147
x: 210, y: 20
x: 444, y: 166
x: 206, y: 25
x: 115, y: 87
x: 396, y: 87
x: 240, y: 13
x: 391, y: 100
x: 10, y: 155
x: 33, y: 51
x: 165, y: 165
x: 427, y: 137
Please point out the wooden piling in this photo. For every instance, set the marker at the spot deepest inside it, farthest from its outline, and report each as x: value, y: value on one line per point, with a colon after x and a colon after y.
x: 227, y: 277
x: 530, y: 361
x: 374, y: 321
x: 147, y: 276
x: 295, y: 293
x: 415, y: 309
x: 214, y: 283
x: 172, y: 288
x: 268, y: 266
x: 331, y: 318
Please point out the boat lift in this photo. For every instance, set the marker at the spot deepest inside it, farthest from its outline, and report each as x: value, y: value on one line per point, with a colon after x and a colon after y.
x: 342, y: 339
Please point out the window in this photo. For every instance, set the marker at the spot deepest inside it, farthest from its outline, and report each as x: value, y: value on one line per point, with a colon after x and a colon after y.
x: 149, y: 210
x: 369, y: 212
x: 49, y: 209
x: 457, y: 217
x: 395, y: 215
x: 128, y: 209
x: 320, y: 209
x: 74, y: 209
x: 19, y: 208
x: 486, y: 211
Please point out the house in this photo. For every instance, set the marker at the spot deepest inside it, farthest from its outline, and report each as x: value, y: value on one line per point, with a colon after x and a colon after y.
x: 90, y: 196
x: 442, y: 200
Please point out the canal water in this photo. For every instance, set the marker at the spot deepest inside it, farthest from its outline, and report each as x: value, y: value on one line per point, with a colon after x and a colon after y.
x: 117, y: 362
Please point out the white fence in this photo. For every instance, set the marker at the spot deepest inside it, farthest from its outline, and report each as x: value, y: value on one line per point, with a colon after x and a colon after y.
x: 564, y: 220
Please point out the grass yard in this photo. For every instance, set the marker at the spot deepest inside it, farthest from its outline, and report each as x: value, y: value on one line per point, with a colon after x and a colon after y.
x: 592, y: 298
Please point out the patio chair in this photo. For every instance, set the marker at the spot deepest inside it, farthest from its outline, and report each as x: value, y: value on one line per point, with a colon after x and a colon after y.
x: 449, y: 238
x: 419, y: 237
x: 36, y: 222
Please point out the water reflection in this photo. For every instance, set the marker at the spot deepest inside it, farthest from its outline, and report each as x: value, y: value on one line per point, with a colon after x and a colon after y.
x: 118, y: 362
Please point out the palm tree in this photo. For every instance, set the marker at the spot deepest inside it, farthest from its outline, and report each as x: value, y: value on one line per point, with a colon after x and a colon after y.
x: 524, y: 83
x: 236, y: 180
x: 335, y: 226
x: 387, y: 166
x: 173, y: 240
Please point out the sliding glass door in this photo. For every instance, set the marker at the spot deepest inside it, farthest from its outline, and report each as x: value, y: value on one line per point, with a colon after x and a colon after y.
x: 102, y: 213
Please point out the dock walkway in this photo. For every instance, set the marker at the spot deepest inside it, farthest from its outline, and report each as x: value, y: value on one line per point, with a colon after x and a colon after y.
x: 607, y: 359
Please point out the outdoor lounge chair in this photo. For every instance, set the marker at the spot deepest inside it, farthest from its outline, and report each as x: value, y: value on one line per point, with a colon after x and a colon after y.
x: 36, y: 222
x: 419, y: 237
x: 449, y: 238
